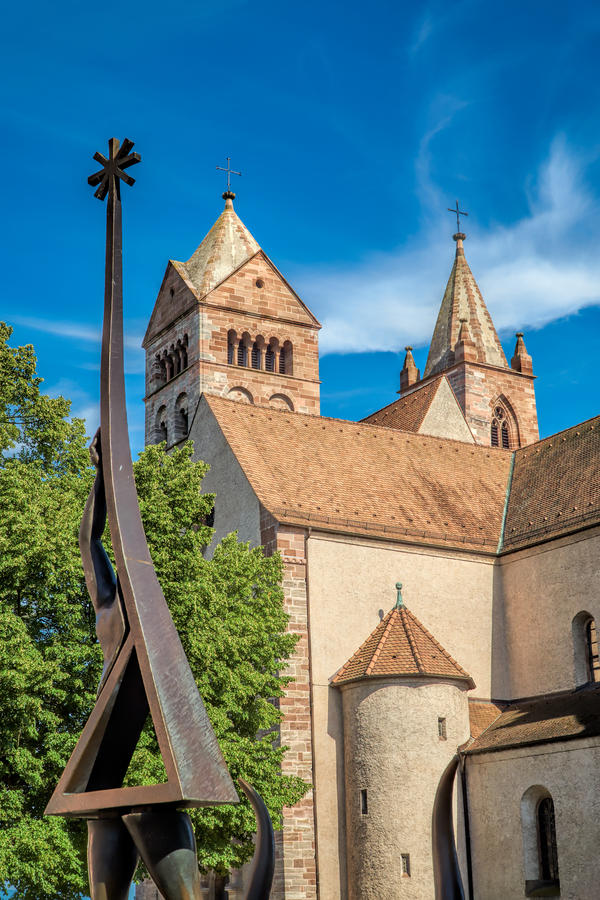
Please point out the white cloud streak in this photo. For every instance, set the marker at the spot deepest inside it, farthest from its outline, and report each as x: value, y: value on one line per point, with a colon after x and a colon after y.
x: 542, y: 267
x: 76, y: 331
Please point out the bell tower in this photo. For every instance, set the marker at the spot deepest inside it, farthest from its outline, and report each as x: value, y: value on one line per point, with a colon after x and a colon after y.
x: 227, y: 322
x: 498, y: 400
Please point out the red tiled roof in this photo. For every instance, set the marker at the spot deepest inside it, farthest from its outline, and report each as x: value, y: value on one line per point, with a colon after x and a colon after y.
x: 358, y: 478
x: 400, y: 646
x: 554, y: 717
x: 555, y: 486
x: 482, y: 713
x: 408, y: 412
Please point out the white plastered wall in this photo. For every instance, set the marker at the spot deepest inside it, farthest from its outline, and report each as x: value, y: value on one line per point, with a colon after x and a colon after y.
x: 444, y: 417
x: 236, y: 505
x: 544, y: 588
x: 569, y: 771
x: 350, y: 581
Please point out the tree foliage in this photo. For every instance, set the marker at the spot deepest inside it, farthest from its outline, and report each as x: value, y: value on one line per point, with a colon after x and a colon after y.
x: 228, y: 611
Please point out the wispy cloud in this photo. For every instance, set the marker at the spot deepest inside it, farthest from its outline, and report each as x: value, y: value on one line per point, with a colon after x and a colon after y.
x: 537, y: 269
x: 77, y: 331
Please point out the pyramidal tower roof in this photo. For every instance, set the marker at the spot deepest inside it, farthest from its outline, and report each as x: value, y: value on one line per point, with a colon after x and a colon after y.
x: 401, y: 646
x: 463, y: 300
x: 227, y: 245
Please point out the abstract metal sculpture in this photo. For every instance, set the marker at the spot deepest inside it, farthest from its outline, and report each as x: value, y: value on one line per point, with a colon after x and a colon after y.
x: 145, y: 668
x: 446, y: 871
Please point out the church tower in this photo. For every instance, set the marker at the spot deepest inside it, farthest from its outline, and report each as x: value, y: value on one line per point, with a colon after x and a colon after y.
x: 227, y: 322
x: 498, y: 400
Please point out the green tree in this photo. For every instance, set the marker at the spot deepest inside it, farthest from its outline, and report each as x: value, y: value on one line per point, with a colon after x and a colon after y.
x: 228, y: 611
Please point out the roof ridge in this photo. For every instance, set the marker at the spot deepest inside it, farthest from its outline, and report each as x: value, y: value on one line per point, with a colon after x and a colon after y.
x: 412, y: 643
x: 556, y: 434
x: 381, y: 642
x: 479, y: 448
x: 416, y: 389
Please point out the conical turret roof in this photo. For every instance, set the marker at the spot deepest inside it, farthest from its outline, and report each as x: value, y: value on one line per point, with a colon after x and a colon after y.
x: 401, y: 646
x: 463, y: 300
x: 227, y: 245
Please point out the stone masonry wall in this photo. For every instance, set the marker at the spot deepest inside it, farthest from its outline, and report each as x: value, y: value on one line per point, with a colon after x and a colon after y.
x: 477, y: 387
x: 295, y: 870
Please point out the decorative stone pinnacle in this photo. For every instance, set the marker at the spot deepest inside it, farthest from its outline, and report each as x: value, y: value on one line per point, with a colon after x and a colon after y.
x: 459, y: 236
x: 399, y: 600
x: 408, y: 349
x: 519, y: 333
x: 228, y: 195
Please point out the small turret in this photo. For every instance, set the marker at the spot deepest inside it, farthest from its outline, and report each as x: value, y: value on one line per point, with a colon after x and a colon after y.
x: 465, y: 349
x: 409, y: 373
x: 405, y: 711
x: 521, y: 361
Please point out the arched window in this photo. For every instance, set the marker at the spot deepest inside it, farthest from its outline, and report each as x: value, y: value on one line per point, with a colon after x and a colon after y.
x: 285, y: 359
x: 181, y: 418
x: 160, y: 427
x: 503, y: 431
x: 547, y: 840
x: 272, y: 356
x: 591, y: 647
x: 585, y: 649
x: 255, y: 355
x: 540, y: 849
x: 241, y: 354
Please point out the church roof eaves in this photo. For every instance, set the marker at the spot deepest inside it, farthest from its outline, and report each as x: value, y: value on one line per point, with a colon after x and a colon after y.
x: 400, y: 647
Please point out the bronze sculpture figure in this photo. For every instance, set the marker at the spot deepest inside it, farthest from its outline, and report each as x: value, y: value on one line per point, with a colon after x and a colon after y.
x: 145, y: 669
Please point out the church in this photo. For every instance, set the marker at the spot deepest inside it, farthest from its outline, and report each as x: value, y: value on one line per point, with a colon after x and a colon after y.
x: 441, y: 570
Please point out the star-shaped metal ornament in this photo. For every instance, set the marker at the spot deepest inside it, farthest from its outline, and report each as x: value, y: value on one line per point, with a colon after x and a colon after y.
x: 119, y: 158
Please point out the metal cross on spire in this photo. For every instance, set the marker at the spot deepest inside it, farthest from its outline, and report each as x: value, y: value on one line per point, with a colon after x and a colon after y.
x: 112, y: 168
x: 459, y: 213
x: 229, y: 171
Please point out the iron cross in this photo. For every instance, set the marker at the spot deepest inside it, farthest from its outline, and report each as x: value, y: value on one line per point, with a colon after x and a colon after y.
x: 459, y: 213
x: 229, y: 171
x: 112, y: 168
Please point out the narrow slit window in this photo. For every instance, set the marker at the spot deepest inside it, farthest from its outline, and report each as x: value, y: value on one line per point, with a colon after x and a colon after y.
x: 547, y: 840
x: 405, y: 864
x: 442, y: 733
x: 364, y: 806
x: 494, y: 434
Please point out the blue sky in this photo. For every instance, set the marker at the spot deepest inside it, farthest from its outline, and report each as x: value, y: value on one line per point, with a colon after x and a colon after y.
x: 355, y: 126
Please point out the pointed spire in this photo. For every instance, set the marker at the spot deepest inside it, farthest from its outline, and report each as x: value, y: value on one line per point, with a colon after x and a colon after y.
x: 409, y: 373
x: 521, y: 361
x: 227, y: 245
x: 463, y: 300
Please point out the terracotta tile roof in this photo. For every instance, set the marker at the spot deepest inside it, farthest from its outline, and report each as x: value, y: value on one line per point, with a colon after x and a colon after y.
x: 360, y: 478
x: 400, y: 646
x: 463, y: 300
x: 482, y: 713
x: 227, y: 245
x: 555, y: 486
x: 553, y: 717
x: 408, y: 412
